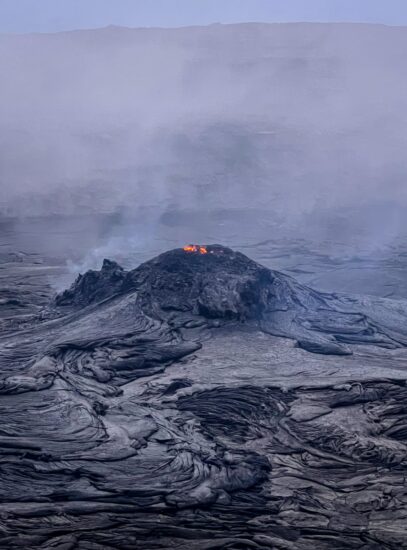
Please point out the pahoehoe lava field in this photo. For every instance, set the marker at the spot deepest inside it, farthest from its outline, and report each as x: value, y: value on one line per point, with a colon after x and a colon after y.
x: 203, y: 401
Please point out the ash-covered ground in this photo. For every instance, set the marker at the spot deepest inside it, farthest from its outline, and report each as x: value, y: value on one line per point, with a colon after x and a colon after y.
x: 204, y: 401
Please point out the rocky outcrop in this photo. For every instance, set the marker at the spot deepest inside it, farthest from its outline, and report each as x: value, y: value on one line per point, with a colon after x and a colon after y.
x: 93, y: 286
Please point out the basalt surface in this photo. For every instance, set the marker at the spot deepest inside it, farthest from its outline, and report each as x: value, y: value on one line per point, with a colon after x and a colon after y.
x: 204, y: 401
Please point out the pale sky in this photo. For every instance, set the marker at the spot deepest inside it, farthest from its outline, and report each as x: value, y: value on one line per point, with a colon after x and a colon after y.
x: 55, y: 15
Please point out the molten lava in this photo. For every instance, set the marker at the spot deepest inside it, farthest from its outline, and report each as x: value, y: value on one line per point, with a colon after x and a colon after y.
x: 190, y: 248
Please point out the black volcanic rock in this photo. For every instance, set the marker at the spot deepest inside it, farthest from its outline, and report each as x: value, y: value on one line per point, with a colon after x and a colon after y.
x: 219, y: 284
x: 93, y: 286
x: 178, y: 405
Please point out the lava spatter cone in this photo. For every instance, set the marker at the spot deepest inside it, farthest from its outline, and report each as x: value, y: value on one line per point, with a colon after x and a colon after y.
x: 224, y: 284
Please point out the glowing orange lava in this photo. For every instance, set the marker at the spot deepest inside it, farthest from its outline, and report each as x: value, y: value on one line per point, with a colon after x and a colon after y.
x: 195, y: 248
x: 190, y: 248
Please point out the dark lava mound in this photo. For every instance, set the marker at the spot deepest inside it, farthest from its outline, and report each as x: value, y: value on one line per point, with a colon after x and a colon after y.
x: 227, y: 285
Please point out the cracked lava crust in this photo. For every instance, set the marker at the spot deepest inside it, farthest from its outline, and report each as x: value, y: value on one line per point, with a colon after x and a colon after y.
x: 203, y: 401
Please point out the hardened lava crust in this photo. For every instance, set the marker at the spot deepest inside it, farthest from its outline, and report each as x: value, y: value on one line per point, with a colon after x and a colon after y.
x: 204, y: 401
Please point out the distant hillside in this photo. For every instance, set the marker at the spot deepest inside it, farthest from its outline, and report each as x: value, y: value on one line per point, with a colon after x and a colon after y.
x: 285, y: 116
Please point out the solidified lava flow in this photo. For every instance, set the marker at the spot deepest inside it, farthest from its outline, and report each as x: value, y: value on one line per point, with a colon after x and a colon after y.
x: 204, y: 401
